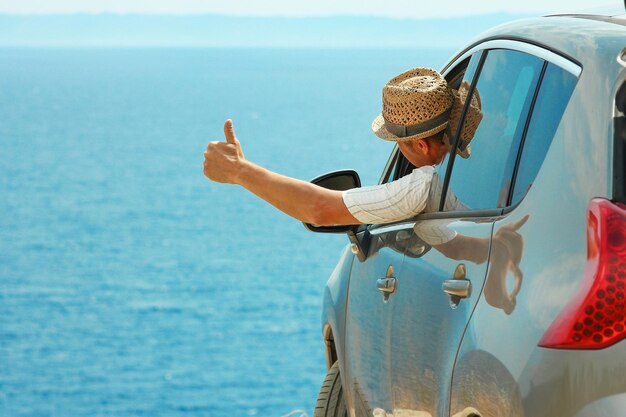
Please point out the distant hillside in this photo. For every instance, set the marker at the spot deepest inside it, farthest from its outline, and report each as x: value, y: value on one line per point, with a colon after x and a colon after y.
x: 229, y: 31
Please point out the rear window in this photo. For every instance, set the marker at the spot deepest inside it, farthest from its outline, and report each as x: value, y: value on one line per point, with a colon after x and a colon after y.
x: 554, y: 94
x: 619, y: 153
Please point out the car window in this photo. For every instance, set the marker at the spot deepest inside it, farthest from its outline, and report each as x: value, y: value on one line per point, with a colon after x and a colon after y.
x: 505, y: 87
x: 554, y: 94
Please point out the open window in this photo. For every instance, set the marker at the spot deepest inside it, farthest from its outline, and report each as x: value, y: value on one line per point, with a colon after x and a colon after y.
x: 398, y: 166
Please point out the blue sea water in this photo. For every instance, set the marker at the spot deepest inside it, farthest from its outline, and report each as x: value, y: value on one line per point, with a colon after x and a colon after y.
x: 132, y: 286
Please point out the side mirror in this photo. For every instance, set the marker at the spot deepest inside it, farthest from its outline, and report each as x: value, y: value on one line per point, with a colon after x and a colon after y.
x: 337, y: 180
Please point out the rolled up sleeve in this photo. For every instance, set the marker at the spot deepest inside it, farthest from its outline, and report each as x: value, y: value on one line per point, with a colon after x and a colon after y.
x: 391, y: 202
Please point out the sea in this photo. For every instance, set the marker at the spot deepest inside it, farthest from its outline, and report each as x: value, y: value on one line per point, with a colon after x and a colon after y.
x: 130, y: 285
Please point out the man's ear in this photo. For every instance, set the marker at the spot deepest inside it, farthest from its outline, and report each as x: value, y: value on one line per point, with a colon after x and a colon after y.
x: 421, y: 145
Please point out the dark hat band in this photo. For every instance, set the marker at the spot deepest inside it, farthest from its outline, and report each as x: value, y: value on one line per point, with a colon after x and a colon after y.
x: 403, y: 131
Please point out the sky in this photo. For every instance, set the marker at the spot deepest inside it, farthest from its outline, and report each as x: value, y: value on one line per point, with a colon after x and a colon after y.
x: 386, y: 8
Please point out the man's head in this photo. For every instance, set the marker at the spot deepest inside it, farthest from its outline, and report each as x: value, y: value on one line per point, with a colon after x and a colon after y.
x: 425, y: 151
x: 421, y: 113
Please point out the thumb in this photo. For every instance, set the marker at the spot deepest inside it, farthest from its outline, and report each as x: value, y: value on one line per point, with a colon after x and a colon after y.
x: 515, y: 226
x: 229, y: 132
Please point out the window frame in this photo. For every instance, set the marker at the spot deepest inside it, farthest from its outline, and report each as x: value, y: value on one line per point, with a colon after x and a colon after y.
x: 453, y: 69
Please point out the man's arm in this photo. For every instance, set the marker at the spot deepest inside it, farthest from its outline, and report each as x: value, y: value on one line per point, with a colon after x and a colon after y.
x: 224, y: 162
x: 465, y: 248
x: 475, y: 249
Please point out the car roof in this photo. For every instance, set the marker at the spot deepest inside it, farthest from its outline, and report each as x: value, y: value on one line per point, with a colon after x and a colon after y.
x: 574, y: 36
x: 617, y: 19
x: 605, y: 10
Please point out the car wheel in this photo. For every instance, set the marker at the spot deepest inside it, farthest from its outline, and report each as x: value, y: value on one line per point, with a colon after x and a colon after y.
x: 330, y: 401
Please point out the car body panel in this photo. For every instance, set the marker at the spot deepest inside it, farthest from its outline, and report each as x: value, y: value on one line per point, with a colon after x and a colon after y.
x: 610, y: 406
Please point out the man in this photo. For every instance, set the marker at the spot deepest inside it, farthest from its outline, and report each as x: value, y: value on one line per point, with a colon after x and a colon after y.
x: 420, y: 113
x: 417, y: 109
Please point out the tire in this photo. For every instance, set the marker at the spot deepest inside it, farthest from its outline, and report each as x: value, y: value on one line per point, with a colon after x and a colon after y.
x: 330, y: 401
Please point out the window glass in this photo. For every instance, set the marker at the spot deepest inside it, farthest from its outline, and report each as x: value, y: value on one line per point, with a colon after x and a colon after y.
x: 505, y: 88
x: 554, y: 94
x: 468, y: 74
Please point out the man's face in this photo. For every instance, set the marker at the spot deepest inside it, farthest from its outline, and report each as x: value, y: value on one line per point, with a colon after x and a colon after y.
x: 423, y: 152
x: 438, y: 151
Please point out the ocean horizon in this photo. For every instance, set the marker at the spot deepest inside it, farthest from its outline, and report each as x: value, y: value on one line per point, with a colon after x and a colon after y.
x: 130, y: 285
x: 214, y: 30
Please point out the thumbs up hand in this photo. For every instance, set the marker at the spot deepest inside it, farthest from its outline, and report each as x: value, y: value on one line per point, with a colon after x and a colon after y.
x: 229, y: 132
x: 223, y: 160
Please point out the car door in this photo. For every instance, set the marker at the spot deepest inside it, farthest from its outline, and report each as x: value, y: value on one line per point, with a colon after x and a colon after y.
x: 438, y: 290
x: 501, y: 334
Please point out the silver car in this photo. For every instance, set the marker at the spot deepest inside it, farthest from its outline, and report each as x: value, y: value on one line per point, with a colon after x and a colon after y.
x: 515, y: 305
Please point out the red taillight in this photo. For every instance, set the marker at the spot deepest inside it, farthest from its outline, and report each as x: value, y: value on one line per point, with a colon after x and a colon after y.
x: 596, y: 316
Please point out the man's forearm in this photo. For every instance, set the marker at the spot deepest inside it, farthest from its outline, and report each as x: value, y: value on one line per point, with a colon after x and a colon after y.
x: 473, y: 249
x: 224, y: 162
x: 299, y: 199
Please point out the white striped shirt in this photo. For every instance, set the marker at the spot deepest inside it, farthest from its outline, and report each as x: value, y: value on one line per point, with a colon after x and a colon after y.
x: 402, y: 199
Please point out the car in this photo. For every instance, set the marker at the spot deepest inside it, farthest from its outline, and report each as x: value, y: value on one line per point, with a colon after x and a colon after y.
x: 514, y: 305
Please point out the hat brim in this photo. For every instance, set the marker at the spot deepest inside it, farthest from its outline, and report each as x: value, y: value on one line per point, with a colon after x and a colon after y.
x: 472, y: 120
x: 465, y: 153
x: 379, y: 129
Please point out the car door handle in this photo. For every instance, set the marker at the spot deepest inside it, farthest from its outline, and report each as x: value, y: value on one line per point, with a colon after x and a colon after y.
x: 458, y: 287
x: 388, y: 284
x: 461, y: 288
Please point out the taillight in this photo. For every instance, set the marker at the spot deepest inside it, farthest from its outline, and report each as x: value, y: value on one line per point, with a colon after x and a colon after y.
x: 596, y: 316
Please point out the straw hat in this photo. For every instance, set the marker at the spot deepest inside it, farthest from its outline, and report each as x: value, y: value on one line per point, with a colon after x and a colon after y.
x: 416, y: 104
x: 472, y: 119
